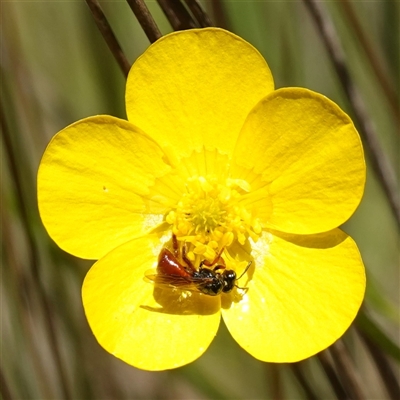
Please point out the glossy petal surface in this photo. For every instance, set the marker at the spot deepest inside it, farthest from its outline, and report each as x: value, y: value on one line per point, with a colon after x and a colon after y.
x: 193, y: 89
x: 304, y: 294
x: 94, y: 185
x: 308, y: 154
x: 146, y: 327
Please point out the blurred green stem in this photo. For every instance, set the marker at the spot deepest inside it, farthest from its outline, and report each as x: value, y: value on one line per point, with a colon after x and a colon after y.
x: 380, y: 163
x: 344, y: 365
x: 4, y: 388
x: 275, y: 373
x: 108, y: 35
x: 330, y: 373
x: 301, y: 378
x: 383, y: 367
x: 33, y: 255
x: 369, y: 328
x: 24, y: 303
x: 372, y: 57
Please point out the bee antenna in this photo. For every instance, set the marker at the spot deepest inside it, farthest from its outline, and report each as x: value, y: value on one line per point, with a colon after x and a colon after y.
x: 248, y: 266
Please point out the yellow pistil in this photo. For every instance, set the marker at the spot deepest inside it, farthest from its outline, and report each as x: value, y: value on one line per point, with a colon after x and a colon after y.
x: 209, y: 216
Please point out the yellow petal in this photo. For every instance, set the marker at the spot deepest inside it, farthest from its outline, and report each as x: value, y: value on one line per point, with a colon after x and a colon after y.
x: 193, y: 89
x: 129, y: 323
x: 308, y: 154
x: 304, y: 294
x: 95, y: 186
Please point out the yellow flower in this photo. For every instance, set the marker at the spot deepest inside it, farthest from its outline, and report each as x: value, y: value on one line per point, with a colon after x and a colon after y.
x: 212, y: 153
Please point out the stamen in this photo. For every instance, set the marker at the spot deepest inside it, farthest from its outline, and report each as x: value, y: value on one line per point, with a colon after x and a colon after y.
x: 210, y: 216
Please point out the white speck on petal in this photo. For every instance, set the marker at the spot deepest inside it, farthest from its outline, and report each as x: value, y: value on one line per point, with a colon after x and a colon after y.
x: 151, y: 220
x: 260, y: 248
x: 245, y: 303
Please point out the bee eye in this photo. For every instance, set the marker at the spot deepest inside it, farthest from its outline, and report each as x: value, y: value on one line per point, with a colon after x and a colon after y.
x: 229, y: 275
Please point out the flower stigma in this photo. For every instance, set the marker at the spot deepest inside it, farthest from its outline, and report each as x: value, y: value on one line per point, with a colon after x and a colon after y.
x: 210, y: 216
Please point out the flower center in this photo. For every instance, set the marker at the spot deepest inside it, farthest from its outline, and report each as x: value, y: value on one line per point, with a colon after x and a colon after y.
x: 209, y: 216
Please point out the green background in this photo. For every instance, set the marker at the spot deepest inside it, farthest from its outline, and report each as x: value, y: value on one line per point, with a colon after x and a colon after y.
x: 55, y: 69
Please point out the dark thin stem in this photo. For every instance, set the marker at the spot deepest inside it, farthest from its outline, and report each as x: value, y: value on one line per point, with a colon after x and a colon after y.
x: 219, y: 15
x: 381, y: 76
x: 200, y: 15
x: 4, y: 388
x: 379, y: 161
x: 34, y: 256
x: 330, y: 373
x: 299, y: 374
x: 108, y: 35
x: 145, y: 19
x: 177, y: 15
x: 383, y: 366
x: 349, y: 376
x: 275, y: 372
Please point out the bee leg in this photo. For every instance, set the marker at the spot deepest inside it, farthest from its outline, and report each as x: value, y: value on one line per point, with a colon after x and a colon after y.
x: 245, y: 289
x: 175, y: 245
x: 186, y: 259
x: 218, y: 259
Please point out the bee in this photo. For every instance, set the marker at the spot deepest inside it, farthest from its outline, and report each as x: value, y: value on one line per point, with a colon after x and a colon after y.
x: 171, y: 272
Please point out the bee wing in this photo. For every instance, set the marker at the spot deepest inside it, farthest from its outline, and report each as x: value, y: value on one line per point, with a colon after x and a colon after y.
x: 150, y: 275
x: 191, y: 284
